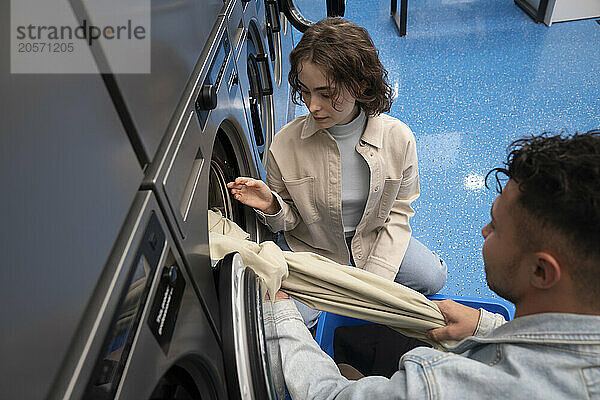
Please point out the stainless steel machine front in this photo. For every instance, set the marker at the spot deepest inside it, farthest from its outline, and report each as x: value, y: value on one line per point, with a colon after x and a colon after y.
x: 108, y: 291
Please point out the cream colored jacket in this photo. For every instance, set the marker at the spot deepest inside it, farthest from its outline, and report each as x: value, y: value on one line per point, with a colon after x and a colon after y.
x: 304, y: 173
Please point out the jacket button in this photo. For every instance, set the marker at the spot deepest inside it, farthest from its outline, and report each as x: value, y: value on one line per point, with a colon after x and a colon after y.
x: 372, y: 154
x: 377, y: 188
x: 359, y: 256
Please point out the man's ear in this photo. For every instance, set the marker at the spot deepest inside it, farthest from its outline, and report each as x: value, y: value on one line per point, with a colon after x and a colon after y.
x: 546, y: 271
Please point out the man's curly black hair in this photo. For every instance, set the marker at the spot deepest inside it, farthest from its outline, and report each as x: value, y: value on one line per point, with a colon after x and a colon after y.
x: 559, y: 182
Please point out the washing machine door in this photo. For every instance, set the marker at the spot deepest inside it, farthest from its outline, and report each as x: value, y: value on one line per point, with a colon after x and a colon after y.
x: 301, y: 16
x: 279, y: 44
x: 273, y: 27
x: 250, y: 346
x: 260, y: 90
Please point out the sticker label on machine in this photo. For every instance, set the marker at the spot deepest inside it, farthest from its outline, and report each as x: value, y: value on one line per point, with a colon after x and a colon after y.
x: 165, y: 308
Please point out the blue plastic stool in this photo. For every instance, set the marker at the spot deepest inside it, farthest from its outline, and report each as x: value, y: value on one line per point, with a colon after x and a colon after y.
x: 329, y: 321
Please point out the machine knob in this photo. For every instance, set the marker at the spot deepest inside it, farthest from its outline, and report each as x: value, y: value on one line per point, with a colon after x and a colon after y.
x: 170, y: 273
x: 207, y: 99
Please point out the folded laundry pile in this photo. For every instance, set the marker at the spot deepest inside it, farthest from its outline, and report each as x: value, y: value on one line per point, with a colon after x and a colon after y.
x: 328, y: 286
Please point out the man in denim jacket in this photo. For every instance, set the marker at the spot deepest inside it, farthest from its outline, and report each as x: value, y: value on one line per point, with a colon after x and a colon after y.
x: 541, y: 252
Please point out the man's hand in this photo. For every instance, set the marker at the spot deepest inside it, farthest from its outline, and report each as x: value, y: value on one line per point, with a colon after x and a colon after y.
x: 461, y: 321
x: 281, y: 295
x: 254, y: 193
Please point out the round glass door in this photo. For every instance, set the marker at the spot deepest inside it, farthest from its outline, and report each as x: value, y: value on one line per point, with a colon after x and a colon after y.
x: 223, y: 169
x: 250, y: 347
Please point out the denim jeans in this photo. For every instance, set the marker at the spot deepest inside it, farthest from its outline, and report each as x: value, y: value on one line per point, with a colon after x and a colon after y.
x: 421, y: 270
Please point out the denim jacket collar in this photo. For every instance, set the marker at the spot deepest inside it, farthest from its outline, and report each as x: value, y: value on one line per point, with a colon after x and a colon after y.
x: 373, y: 134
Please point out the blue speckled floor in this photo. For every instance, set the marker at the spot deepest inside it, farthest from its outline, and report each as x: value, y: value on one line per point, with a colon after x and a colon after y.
x: 470, y: 77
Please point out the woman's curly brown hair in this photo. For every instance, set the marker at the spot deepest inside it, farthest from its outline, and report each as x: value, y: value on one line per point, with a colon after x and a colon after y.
x: 348, y: 58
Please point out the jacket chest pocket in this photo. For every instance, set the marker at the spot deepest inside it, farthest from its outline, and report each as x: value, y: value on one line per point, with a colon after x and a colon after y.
x: 388, y: 196
x: 302, y: 192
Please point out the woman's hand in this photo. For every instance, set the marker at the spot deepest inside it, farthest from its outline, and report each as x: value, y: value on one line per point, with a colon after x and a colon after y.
x: 461, y: 321
x: 254, y: 193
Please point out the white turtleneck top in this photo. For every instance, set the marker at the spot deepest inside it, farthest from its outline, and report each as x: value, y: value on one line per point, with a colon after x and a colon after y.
x: 355, y: 171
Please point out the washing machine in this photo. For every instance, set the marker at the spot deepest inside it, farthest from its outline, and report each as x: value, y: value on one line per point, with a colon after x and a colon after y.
x: 144, y: 332
x: 110, y: 292
x: 296, y: 17
x: 69, y: 176
x: 278, y: 39
x: 256, y: 78
x: 146, y: 335
x: 148, y: 102
x: 211, y: 146
x: 280, y: 43
x: 262, y: 49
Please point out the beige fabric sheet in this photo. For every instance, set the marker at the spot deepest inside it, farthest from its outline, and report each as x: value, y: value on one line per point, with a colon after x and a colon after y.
x: 325, y: 285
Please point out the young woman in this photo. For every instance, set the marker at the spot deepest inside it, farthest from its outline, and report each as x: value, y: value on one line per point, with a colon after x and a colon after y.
x: 341, y: 179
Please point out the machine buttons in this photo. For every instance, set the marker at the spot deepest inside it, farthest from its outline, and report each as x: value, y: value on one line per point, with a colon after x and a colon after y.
x: 167, y: 301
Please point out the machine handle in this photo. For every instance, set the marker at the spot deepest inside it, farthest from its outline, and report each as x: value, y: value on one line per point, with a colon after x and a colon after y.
x: 272, y: 9
x: 207, y: 98
x: 266, y: 88
x: 256, y: 123
x: 270, y: 41
x: 258, y: 67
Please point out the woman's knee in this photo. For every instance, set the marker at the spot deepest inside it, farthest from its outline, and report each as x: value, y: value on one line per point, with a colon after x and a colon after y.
x: 422, y: 269
x: 435, y: 277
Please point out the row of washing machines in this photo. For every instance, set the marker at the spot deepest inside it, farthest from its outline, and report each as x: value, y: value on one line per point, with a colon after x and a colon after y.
x: 108, y: 291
